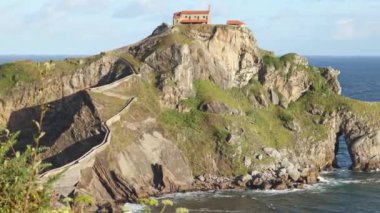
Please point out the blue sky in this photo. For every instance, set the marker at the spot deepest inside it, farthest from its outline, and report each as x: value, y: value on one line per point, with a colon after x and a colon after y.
x: 308, y: 27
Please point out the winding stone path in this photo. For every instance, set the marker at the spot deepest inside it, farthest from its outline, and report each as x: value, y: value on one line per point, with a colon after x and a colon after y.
x: 71, y: 171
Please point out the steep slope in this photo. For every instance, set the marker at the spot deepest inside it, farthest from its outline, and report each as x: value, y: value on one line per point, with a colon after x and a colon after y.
x: 211, y: 105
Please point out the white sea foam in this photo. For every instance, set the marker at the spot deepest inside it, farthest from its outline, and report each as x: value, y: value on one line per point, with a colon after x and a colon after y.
x: 215, y: 210
x: 133, y: 208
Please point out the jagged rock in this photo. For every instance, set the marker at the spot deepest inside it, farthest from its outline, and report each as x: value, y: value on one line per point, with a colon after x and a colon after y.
x: 283, y: 174
x: 281, y: 186
x: 274, y: 97
x: 215, y: 107
x: 259, y: 157
x: 292, y: 126
x: 233, y: 139
x: 315, y: 109
x: 262, y: 100
x: 253, y: 101
x: 257, y: 182
x: 220, y: 108
x: 312, y: 176
x: 255, y: 174
x: 228, y: 57
x: 161, y: 29
x: 331, y: 75
x: 294, y: 174
x: 299, y: 186
x: 366, y: 151
x: 271, y: 152
x: 286, y: 163
x: 247, y: 162
x: 266, y: 186
x: 291, y: 86
x: 201, y: 178
x: 246, y: 178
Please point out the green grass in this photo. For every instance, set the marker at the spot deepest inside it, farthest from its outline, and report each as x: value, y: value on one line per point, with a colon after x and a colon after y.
x: 107, y: 106
x: 195, y: 140
x: 264, y: 52
x: 269, y: 59
x: 135, y: 63
x: 177, y: 120
x: 26, y: 72
x: 174, y: 38
x: 285, y: 116
x: 289, y: 57
x: 269, y: 128
x: 328, y: 102
x: 369, y: 111
x: 18, y: 72
x: 146, y: 106
x: 204, y: 28
x: 207, y: 91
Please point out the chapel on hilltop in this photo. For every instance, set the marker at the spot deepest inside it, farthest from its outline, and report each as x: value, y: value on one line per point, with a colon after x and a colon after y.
x: 192, y: 17
x: 199, y: 17
x: 236, y: 23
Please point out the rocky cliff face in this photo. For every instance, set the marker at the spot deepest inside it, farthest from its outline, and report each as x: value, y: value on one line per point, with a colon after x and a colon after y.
x: 60, y: 81
x: 184, y: 54
x: 211, y: 104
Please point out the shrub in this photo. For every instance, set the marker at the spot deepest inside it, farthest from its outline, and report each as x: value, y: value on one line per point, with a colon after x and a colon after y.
x: 285, y: 116
x: 20, y: 188
x: 82, y: 201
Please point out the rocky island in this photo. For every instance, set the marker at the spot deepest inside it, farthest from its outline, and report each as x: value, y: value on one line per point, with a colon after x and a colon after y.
x: 188, y: 108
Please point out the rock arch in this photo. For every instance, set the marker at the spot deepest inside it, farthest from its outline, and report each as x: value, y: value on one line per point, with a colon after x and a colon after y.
x: 363, y: 140
x: 343, y: 156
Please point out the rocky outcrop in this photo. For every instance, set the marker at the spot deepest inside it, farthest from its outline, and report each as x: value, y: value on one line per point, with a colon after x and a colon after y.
x: 363, y: 140
x: 100, y: 70
x: 220, y: 108
x: 331, y: 76
x: 150, y: 166
x: 227, y: 56
x: 71, y: 127
x: 289, y: 77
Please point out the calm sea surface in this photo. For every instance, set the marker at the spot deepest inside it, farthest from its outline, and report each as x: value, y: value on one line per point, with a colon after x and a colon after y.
x: 339, y: 191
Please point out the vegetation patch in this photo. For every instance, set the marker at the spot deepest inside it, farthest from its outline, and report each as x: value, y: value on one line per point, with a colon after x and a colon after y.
x: 269, y: 59
x: 25, y: 72
x: 207, y: 91
x: 14, y: 73
x: 107, y: 106
x: 204, y: 28
x: 269, y: 129
x: 173, y: 38
x: 135, y: 63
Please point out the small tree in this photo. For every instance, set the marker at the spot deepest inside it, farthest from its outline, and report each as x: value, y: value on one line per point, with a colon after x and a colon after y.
x: 83, y: 201
x: 20, y: 187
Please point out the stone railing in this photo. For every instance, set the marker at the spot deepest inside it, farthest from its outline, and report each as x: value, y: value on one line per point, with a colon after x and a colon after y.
x: 113, y: 84
x: 105, y: 125
x: 96, y: 149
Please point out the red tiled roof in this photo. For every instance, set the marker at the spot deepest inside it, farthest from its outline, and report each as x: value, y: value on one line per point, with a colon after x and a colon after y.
x: 235, y: 22
x: 193, y: 21
x: 192, y: 12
